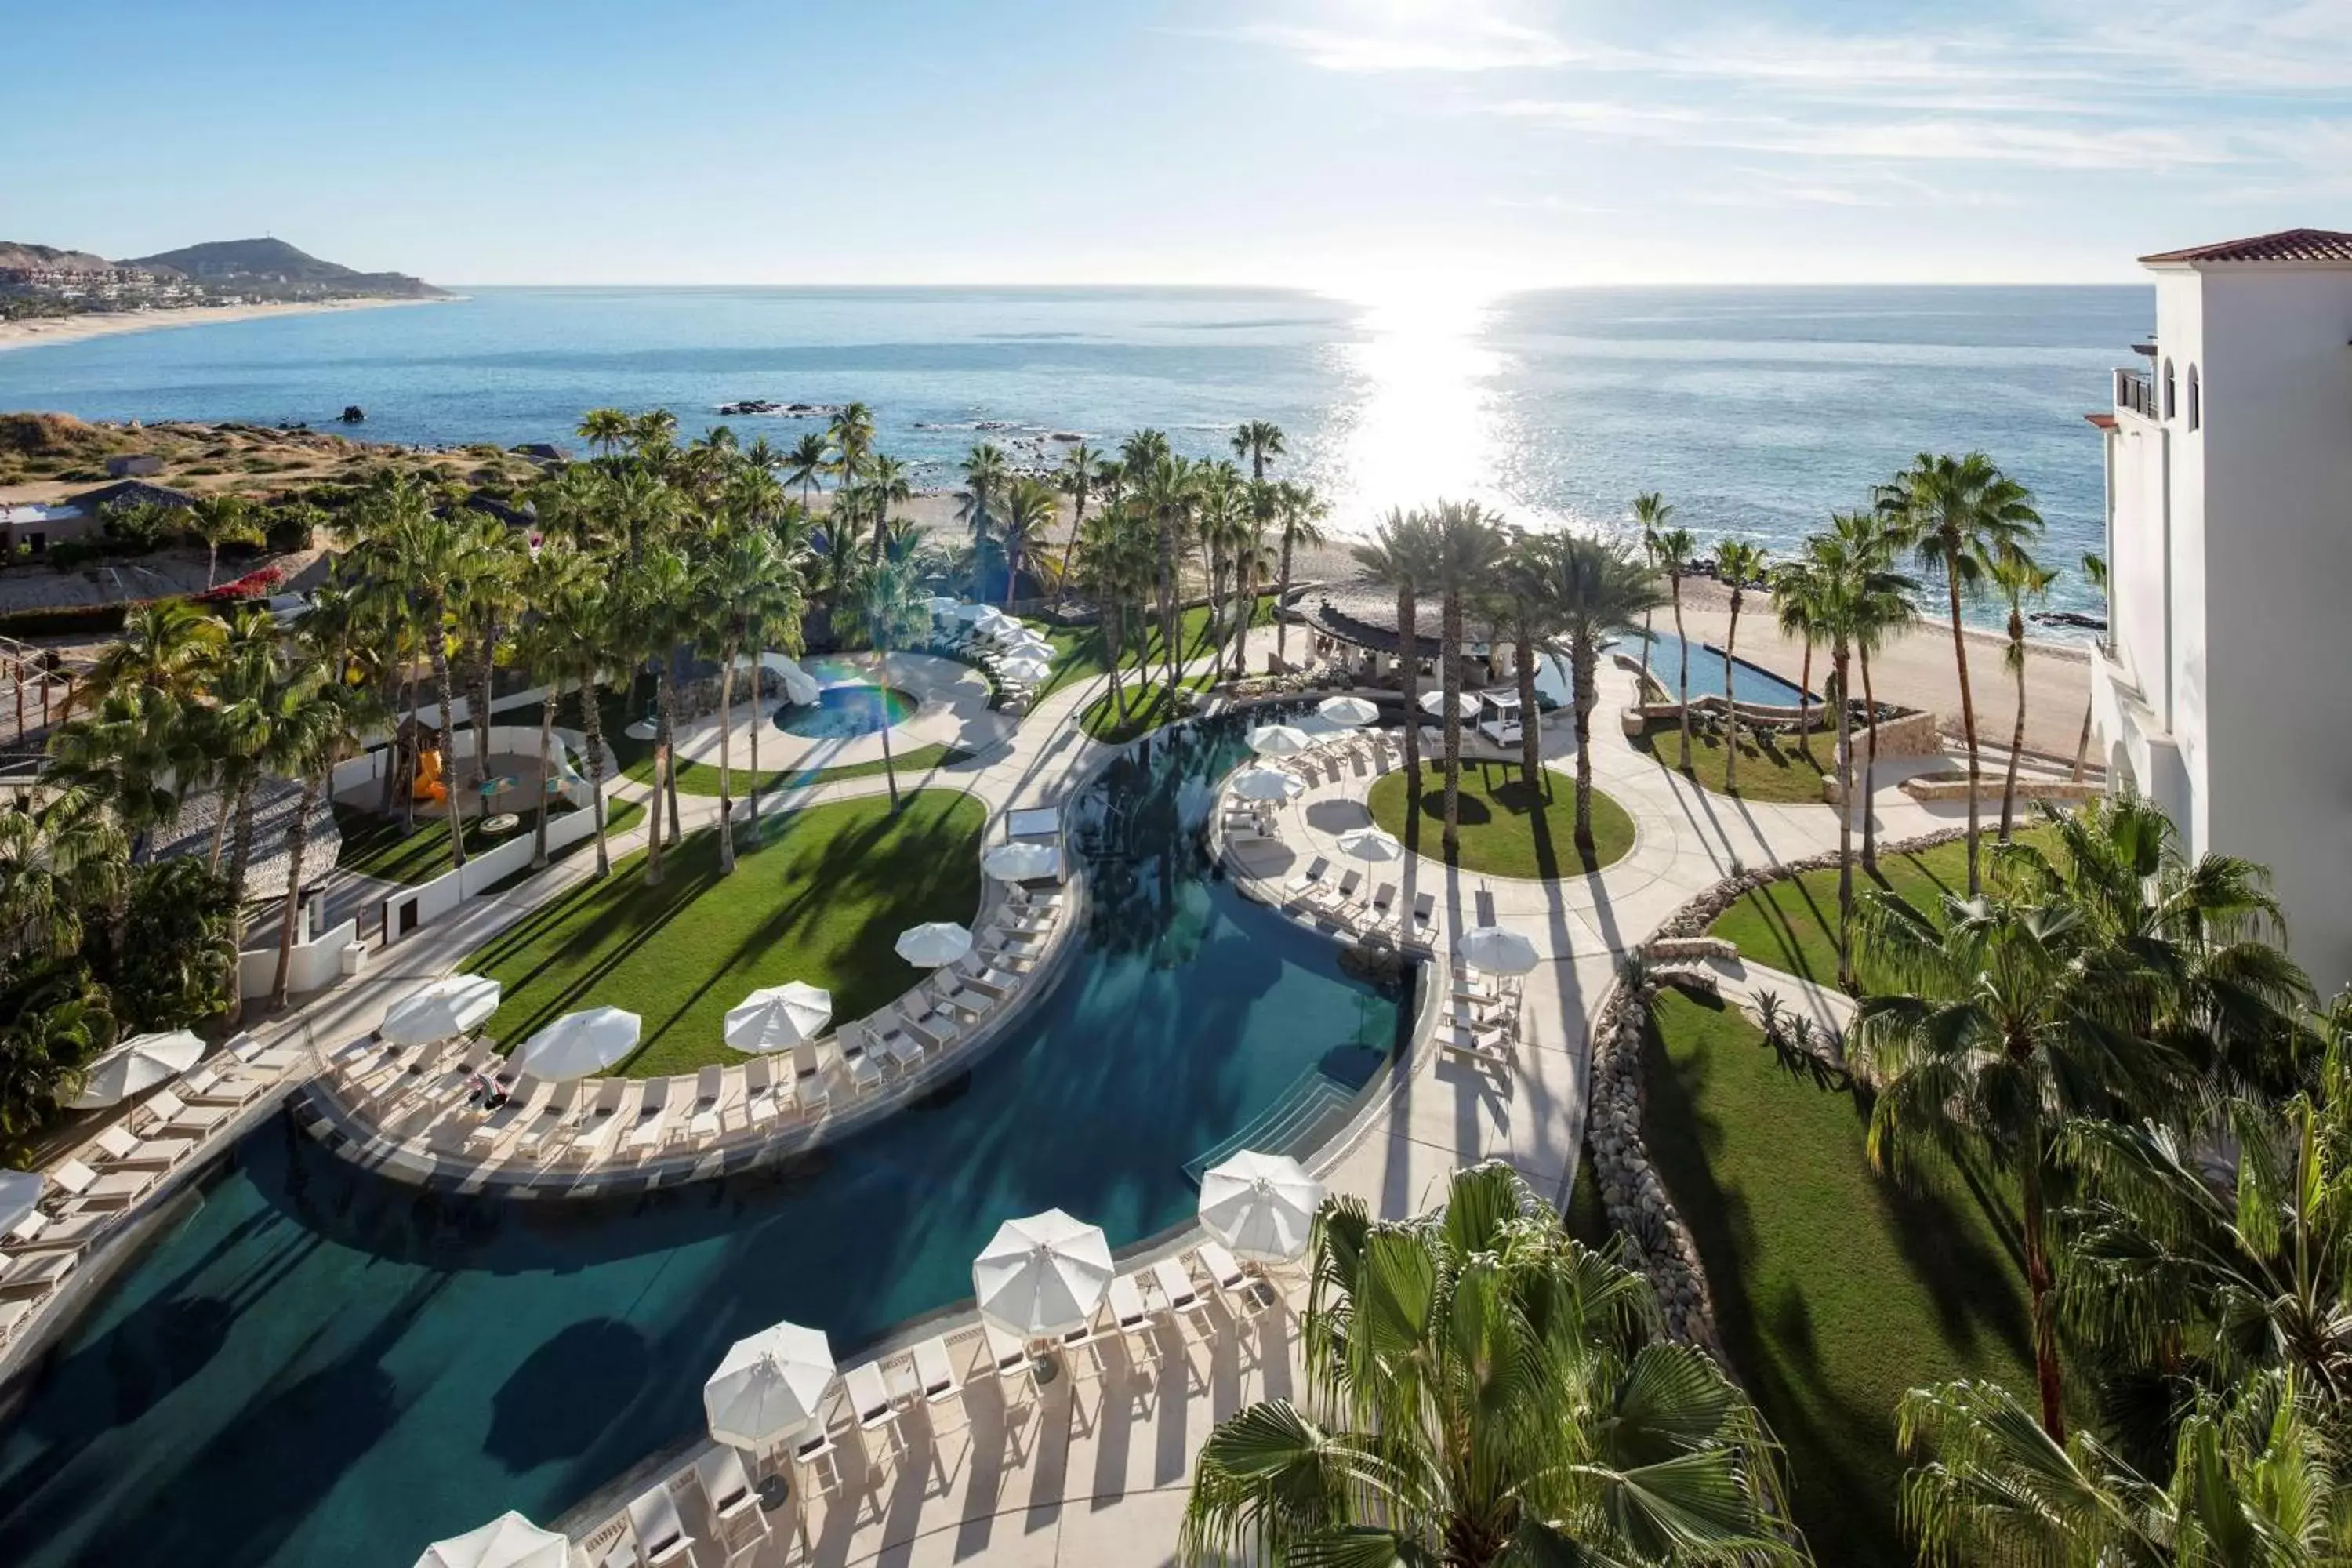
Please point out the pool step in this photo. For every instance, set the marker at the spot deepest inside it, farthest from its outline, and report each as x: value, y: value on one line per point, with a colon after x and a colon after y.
x: 1309, y: 1111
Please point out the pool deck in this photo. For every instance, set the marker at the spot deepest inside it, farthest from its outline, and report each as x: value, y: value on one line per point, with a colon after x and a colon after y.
x: 952, y: 710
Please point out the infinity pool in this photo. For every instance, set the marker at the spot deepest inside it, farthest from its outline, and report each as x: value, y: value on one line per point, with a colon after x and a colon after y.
x: 316, y: 1365
x: 1750, y: 682
x: 845, y: 712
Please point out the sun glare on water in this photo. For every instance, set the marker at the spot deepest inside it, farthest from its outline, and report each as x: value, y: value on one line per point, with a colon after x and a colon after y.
x: 1420, y: 426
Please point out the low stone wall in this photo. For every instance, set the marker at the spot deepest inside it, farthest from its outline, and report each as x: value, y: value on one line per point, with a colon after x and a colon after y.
x: 2063, y: 792
x: 1693, y: 949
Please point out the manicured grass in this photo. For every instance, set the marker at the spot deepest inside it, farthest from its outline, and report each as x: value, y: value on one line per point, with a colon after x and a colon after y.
x: 821, y: 898
x: 1505, y: 833
x: 1769, y: 770
x: 702, y: 778
x: 374, y: 845
x: 1835, y: 1288
x: 1078, y: 650
x: 1148, y: 707
x: 1791, y: 924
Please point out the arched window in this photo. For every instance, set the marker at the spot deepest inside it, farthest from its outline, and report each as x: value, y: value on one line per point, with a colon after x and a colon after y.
x: 2168, y: 390
x: 2196, y: 410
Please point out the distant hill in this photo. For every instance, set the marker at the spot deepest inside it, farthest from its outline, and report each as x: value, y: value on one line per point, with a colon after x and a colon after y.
x: 48, y: 258
x: 275, y: 269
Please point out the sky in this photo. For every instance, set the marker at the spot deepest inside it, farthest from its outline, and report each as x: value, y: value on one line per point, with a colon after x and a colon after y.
x: 1364, y: 147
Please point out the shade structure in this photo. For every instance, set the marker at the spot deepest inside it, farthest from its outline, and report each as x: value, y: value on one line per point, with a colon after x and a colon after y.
x: 1496, y: 950
x: 509, y: 1540
x: 778, y: 1018
x: 1370, y: 844
x: 452, y: 1006
x: 768, y: 1387
x: 1042, y: 1275
x: 943, y: 605
x: 1267, y: 784
x: 1347, y: 712
x: 1025, y: 669
x: 1465, y: 703
x: 136, y: 1066
x: 20, y: 1194
x: 1279, y: 741
x: 1024, y: 642
x: 936, y: 943
x: 578, y: 1044
x: 1262, y: 1207
x: 1021, y: 862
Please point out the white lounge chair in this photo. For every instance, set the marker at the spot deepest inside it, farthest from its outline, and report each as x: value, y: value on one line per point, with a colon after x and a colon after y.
x: 969, y: 1002
x: 1307, y: 881
x: 871, y: 1405
x: 654, y: 1112
x: 72, y: 1229
x: 1337, y: 899
x: 655, y: 1526
x: 524, y: 1102
x: 1422, y: 927
x: 763, y: 1095
x: 1180, y: 1298
x: 555, y: 1113
x: 716, y: 1091
x: 1133, y: 1320
x: 1381, y: 914
x: 935, y: 1373
x: 210, y: 1084
x: 727, y: 1493
x: 167, y: 1109
x: 1243, y: 1292
x: 36, y: 1273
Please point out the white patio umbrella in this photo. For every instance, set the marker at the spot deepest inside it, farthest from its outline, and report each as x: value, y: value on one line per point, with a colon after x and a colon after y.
x: 578, y: 1044
x: 1347, y: 712
x: 452, y: 1006
x: 1261, y: 1205
x: 136, y: 1066
x: 1025, y: 641
x: 1025, y: 669
x: 768, y: 1387
x: 20, y: 1194
x: 1267, y: 784
x: 1465, y: 703
x: 1021, y: 862
x: 1496, y: 950
x: 1279, y: 741
x: 509, y: 1540
x: 778, y: 1018
x: 975, y: 613
x: 1370, y: 844
x: 1042, y: 1275
x: 932, y: 945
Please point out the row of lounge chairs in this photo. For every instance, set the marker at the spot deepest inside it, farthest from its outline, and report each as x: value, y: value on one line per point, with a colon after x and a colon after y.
x: 571, y: 1128
x: 126, y: 1160
x: 1341, y: 899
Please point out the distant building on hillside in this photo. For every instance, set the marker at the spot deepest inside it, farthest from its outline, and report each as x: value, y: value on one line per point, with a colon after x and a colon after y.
x: 2221, y: 691
x: 134, y: 465
x: 31, y: 529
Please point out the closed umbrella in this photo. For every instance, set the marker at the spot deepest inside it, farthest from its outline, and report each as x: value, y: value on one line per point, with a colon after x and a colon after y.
x: 136, y: 1066
x: 1261, y: 1205
x: 1021, y: 862
x: 509, y: 1540
x: 767, y: 1389
x: 1347, y: 712
x: 1279, y: 741
x: 1267, y: 784
x: 452, y: 1006
x: 20, y: 1194
x: 1043, y: 1275
x: 1370, y: 844
x: 578, y: 1044
x: 779, y: 1017
x: 1465, y: 703
x: 932, y: 945
x: 1496, y: 950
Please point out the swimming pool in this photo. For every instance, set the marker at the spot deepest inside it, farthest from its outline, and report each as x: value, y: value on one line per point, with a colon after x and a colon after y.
x: 317, y: 1365
x: 845, y: 712
x: 1751, y: 683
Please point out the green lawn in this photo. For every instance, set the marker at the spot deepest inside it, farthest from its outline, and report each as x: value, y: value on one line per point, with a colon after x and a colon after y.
x: 1791, y: 924
x: 1504, y: 833
x: 702, y: 778
x: 821, y: 898
x: 1836, y: 1289
x: 374, y: 845
x: 1148, y: 707
x: 1078, y: 650
x: 1769, y: 770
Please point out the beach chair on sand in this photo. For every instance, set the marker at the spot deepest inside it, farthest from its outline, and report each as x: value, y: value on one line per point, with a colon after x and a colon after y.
x: 656, y: 1528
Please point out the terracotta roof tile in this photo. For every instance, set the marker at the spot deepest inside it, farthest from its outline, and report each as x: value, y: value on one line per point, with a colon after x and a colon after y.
x: 2287, y: 245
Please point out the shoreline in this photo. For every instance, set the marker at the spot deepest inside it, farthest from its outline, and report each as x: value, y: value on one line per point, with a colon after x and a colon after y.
x: 48, y: 329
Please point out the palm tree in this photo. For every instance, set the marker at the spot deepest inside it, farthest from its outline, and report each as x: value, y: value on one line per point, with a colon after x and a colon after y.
x: 660, y: 617
x: 1115, y: 560
x: 1481, y: 1389
x: 221, y: 520
x: 1468, y: 543
x: 1220, y: 514
x: 1652, y: 512
x: 1256, y: 443
x: 894, y: 612
x: 1797, y: 610
x: 1590, y: 589
x: 1960, y: 514
x: 542, y: 645
x: 1028, y: 512
x: 1169, y: 489
x: 325, y: 728
x: 851, y: 436
x: 985, y: 474
x: 578, y: 615
x: 1673, y: 550
x: 605, y: 429
x: 1076, y: 479
x: 54, y: 1017
x: 497, y: 559
x: 134, y: 752
x: 803, y: 463
x: 165, y: 644
x: 1737, y: 562
x: 2021, y: 581
x: 1403, y: 553
x: 1300, y: 512
x: 748, y: 582
x: 768, y: 599
x: 57, y: 859
x: 1883, y: 608
x: 2095, y: 573
x: 887, y: 484
x: 1990, y: 1028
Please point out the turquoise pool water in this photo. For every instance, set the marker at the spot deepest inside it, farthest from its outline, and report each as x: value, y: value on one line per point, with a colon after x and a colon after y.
x: 1750, y: 682
x: 318, y: 1366
x: 845, y: 712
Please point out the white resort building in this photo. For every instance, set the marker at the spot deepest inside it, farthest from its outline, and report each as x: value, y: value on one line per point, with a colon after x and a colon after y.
x: 2229, y: 474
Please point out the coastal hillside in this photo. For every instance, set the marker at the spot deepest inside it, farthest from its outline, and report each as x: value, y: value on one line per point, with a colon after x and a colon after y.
x: 271, y: 269
x: 16, y: 257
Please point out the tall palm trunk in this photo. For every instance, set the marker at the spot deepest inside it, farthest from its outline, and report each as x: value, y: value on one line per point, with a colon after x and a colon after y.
x: 297, y: 840
x: 2017, y: 732
x: 2082, y: 745
x: 1730, y: 702
x: 451, y: 794
x: 1167, y: 589
x: 483, y: 673
x: 1841, y: 671
x: 546, y: 775
x: 1682, y: 681
x: 592, y: 725
x: 1069, y: 547
x: 1968, y: 719
x: 1409, y: 682
x: 2032, y: 1224
x: 1869, y: 769
x: 1530, y: 734
x: 1649, y: 635
x: 1805, y: 701
x: 1584, y: 664
x: 758, y: 721
x: 727, y: 758
x: 1281, y: 602
x: 1450, y: 683
x: 668, y: 719
x: 890, y: 765
x: 661, y: 765
x: 393, y: 764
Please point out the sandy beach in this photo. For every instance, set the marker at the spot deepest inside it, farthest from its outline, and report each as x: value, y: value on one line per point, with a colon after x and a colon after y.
x: 106, y: 323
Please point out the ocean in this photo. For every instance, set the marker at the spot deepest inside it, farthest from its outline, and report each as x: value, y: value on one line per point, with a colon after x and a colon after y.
x: 1756, y: 411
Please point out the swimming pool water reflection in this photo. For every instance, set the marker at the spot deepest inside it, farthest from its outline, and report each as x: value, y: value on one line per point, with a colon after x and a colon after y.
x: 317, y: 1365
